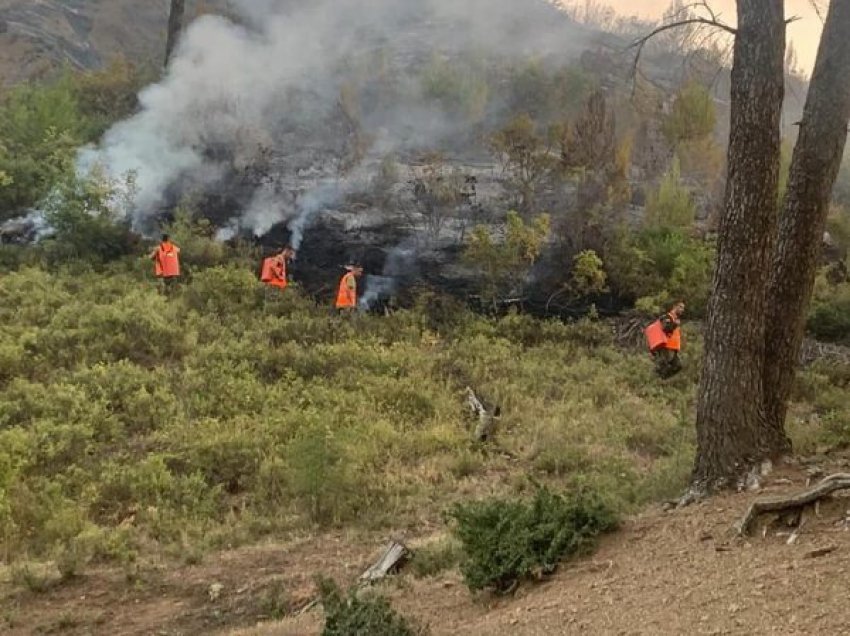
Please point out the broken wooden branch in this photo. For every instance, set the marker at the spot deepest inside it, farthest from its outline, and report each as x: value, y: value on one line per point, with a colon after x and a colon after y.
x: 390, y: 561
x: 840, y: 481
x: 819, y: 552
x: 486, y: 418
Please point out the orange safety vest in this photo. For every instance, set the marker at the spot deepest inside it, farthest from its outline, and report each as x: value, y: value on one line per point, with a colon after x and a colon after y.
x: 274, y: 272
x: 167, y: 260
x: 674, y: 340
x: 347, y: 295
x: 656, y: 338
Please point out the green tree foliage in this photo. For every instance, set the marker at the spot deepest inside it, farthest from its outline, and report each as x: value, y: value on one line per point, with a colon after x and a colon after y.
x: 670, y: 206
x: 88, y: 219
x: 657, y: 265
x: 108, y: 95
x: 590, y: 143
x: 505, y: 541
x: 547, y: 95
x: 504, y: 265
x: 41, y: 128
x: 588, y: 277
x: 43, y: 125
x: 692, y: 117
x: 526, y: 157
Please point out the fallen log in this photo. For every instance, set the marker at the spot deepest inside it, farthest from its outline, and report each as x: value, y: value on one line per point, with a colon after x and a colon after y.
x: 486, y: 419
x: 840, y: 481
x: 390, y: 561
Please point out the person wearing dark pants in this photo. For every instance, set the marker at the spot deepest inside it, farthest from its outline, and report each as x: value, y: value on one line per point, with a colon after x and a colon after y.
x: 665, y: 341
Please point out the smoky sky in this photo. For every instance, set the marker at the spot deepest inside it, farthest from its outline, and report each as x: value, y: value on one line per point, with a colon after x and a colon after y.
x: 274, y: 77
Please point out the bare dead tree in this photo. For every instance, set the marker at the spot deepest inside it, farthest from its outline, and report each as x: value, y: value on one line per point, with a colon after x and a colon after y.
x: 175, y: 26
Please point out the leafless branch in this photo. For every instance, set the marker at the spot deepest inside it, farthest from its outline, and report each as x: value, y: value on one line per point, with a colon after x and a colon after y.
x: 641, y: 43
x: 818, y: 11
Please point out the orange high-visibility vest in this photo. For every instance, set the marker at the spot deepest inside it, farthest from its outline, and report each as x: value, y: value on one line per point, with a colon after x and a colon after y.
x: 674, y: 340
x: 347, y: 295
x: 274, y: 272
x: 656, y: 338
x: 167, y: 260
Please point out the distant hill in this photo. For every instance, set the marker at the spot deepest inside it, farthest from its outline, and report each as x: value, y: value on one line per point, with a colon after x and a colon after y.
x: 37, y: 36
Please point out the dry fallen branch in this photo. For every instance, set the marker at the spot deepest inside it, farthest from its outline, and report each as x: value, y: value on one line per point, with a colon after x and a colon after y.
x: 840, y: 481
x: 390, y: 561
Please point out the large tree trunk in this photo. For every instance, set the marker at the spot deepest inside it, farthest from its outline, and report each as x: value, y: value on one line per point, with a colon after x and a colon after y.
x: 814, y: 167
x: 175, y: 26
x: 729, y: 409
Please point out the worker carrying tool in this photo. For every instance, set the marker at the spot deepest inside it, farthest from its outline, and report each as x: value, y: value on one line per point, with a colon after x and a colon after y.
x: 664, y: 339
x: 274, y: 268
x: 346, y: 298
x: 166, y: 262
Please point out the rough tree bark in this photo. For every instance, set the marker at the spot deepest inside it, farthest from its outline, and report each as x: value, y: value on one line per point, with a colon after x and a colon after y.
x: 814, y: 167
x: 729, y: 409
x: 175, y: 26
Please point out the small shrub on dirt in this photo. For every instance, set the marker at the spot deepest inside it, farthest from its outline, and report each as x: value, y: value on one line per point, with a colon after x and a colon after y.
x: 34, y: 578
x: 275, y: 602
x: 506, y: 541
x: 435, y: 558
x: 362, y: 614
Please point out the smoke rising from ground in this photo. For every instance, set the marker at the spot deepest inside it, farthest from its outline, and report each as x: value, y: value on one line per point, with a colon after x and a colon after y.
x: 280, y: 80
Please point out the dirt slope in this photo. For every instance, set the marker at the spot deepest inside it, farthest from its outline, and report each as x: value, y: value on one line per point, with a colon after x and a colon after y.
x: 663, y: 573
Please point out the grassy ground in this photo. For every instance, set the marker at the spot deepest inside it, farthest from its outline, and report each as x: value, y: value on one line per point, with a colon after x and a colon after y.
x: 135, y: 426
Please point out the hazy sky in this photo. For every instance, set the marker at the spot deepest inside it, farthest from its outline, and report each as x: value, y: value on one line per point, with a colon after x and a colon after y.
x: 805, y: 33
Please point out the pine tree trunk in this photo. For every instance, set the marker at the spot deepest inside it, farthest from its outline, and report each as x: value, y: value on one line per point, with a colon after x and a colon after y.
x: 175, y: 26
x: 729, y: 409
x: 814, y: 167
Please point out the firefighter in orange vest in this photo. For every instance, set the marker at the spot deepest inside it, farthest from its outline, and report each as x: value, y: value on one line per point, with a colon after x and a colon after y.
x: 346, y: 297
x: 664, y: 338
x: 274, y: 268
x: 166, y: 262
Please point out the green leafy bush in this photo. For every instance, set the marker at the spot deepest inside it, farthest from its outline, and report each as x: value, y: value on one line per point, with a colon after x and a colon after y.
x: 506, y: 541
x: 829, y: 318
x: 362, y: 614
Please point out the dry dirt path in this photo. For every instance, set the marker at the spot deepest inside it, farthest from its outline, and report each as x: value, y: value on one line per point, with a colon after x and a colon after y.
x: 663, y: 573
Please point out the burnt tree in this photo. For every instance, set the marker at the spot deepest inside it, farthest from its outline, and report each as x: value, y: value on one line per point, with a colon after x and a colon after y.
x: 814, y: 168
x: 729, y: 409
x: 175, y: 26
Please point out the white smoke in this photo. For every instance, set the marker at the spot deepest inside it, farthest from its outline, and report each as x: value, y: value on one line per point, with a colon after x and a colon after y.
x: 400, y: 262
x: 274, y: 80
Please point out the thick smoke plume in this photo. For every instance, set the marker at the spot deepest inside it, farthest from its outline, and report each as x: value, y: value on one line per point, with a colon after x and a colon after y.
x: 277, y: 80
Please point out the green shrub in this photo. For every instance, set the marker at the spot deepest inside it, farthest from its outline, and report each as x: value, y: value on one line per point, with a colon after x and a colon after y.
x: 434, y: 558
x: 506, y: 541
x: 320, y: 475
x: 362, y: 614
x: 225, y: 291
x: 829, y: 318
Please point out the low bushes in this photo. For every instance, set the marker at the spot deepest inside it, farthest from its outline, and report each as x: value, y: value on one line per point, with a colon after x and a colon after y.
x: 506, y: 541
x: 362, y: 614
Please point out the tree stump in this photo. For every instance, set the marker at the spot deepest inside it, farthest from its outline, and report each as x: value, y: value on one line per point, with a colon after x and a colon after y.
x: 487, y: 419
